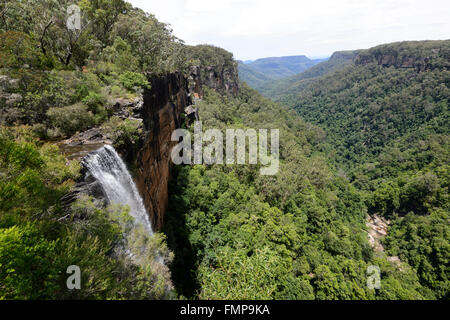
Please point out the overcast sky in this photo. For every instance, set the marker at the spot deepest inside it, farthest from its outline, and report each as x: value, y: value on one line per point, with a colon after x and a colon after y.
x: 263, y: 28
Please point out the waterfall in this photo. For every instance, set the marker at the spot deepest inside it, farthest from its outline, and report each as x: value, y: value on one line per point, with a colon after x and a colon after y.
x: 110, y: 171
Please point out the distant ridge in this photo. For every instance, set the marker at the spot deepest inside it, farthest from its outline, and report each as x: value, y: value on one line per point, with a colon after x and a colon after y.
x: 260, y: 71
x: 289, y: 85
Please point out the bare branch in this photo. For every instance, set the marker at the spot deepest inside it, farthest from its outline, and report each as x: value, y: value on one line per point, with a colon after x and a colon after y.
x: 5, y: 9
x: 44, y: 51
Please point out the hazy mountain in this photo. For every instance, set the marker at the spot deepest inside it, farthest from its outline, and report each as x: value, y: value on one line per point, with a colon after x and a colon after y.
x: 280, y: 67
x: 257, y: 73
x: 253, y: 77
x: 284, y: 87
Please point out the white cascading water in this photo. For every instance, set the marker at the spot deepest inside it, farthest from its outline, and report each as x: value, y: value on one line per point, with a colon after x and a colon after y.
x: 111, y: 172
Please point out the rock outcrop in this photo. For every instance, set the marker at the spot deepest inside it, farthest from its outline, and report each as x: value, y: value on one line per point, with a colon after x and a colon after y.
x: 87, y: 185
x: 392, y: 60
x: 223, y: 79
x: 421, y: 56
x: 81, y: 144
x: 344, y: 55
x: 377, y: 229
x: 126, y: 108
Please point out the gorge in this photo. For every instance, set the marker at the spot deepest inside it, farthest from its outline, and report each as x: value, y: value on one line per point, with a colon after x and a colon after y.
x: 85, y: 166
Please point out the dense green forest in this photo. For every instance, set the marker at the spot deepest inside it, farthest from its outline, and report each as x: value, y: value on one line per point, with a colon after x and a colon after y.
x: 252, y: 77
x: 385, y: 114
x: 297, y: 235
x: 54, y: 82
x: 360, y: 134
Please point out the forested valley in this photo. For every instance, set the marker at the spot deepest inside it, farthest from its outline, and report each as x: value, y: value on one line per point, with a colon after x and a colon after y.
x: 364, y: 134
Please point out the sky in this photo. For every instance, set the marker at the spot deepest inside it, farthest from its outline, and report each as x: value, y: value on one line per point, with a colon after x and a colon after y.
x: 252, y: 29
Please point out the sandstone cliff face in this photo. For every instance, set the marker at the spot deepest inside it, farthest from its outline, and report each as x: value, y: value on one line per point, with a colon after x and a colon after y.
x: 392, y: 60
x: 223, y: 80
x: 344, y: 55
x: 162, y: 112
x: 420, y: 56
x: 164, y: 104
x: 162, y: 109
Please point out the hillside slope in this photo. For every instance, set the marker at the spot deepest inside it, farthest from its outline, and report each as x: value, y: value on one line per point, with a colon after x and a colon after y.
x: 221, y: 231
x: 266, y: 70
x: 280, y: 67
x: 281, y: 89
x: 251, y: 76
x: 385, y: 93
x: 387, y: 123
x: 296, y: 235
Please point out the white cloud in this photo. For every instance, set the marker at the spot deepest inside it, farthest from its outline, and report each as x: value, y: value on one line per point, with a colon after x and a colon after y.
x: 260, y: 28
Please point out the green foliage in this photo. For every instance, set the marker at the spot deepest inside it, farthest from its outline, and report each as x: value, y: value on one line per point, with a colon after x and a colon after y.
x: 123, y: 132
x: 284, y: 90
x: 386, y: 118
x: 238, y: 276
x: 104, y: 14
x: 93, y: 234
x: 27, y: 269
x: 252, y: 77
x: 264, y: 72
x: 40, y: 237
x: 152, y: 42
x: 33, y: 178
x: 114, y: 47
x: 71, y: 119
x: 131, y: 80
x: 120, y: 56
x: 210, y: 56
x: 377, y: 142
x: 94, y: 101
x: 385, y: 200
x: 17, y: 49
x: 366, y: 106
x: 423, y: 242
x: 89, y: 83
x: 65, y: 80
x: 297, y: 235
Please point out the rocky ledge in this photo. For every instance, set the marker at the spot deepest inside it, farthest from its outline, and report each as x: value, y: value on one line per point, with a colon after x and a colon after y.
x: 81, y: 144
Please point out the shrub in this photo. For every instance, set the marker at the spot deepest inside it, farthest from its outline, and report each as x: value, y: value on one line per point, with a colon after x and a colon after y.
x: 94, y: 100
x: 40, y: 130
x: 18, y: 49
x: 120, y: 55
x: 71, y: 119
x: 90, y: 83
x: 122, y: 132
x: 26, y: 263
x: 131, y: 80
x: 96, y: 104
x: 118, y: 91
